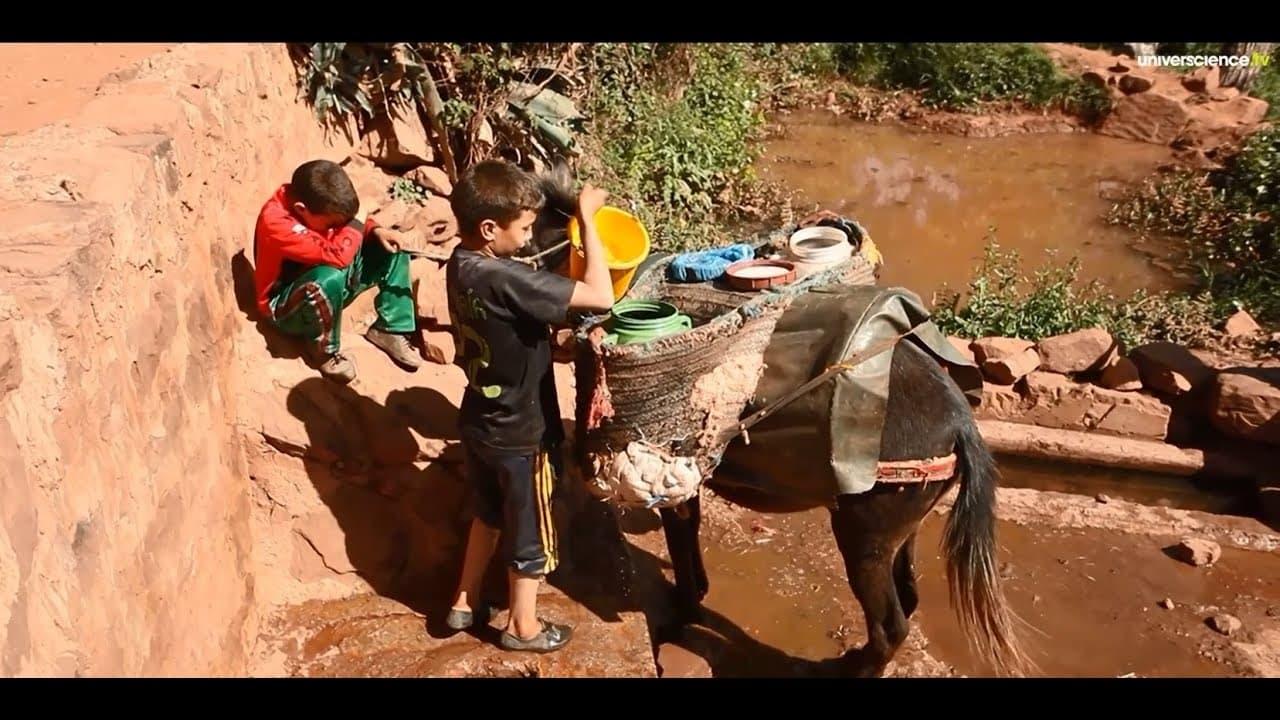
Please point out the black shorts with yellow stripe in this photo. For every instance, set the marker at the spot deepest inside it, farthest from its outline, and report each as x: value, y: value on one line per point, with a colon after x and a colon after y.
x: 512, y: 492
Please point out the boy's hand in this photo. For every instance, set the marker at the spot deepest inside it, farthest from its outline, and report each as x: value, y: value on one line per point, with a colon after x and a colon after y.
x: 391, y: 240
x: 590, y: 200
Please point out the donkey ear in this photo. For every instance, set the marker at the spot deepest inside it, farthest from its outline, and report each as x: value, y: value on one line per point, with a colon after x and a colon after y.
x: 557, y: 183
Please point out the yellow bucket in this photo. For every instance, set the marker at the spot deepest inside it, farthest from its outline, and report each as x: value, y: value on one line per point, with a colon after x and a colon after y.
x: 626, y: 245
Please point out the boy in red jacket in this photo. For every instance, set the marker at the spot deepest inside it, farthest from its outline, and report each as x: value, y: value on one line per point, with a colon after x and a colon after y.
x: 312, y: 258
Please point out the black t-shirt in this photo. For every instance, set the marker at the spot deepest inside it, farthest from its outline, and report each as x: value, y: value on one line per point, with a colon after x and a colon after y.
x: 501, y: 311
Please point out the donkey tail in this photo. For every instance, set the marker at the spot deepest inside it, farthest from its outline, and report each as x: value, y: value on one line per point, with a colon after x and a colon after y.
x: 972, y: 574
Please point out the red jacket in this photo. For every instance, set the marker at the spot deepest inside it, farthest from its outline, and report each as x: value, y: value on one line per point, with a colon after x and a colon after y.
x: 280, y: 236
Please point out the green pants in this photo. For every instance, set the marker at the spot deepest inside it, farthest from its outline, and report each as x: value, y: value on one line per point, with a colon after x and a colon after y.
x: 311, y: 304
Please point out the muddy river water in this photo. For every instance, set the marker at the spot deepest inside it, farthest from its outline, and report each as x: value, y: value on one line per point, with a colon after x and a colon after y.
x: 931, y: 201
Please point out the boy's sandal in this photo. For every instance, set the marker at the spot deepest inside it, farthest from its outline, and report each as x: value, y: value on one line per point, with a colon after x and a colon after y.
x: 552, y: 638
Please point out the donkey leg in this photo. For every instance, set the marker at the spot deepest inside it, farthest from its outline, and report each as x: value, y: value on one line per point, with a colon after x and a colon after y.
x: 701, y: 583
x: 682, y: 545
x: 869, y: 563
x: 904, y: 577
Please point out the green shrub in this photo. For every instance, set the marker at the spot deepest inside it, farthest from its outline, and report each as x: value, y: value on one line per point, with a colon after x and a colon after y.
x: 1229, y: 220
x: 961, y: 75
x: 1003, y: 300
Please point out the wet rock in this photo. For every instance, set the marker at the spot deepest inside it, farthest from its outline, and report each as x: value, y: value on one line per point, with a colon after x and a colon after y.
x: 1012, y: 368
x: 998, y: 348
x: 1169, y: 368
x: 1242, y: 324
x: 1122, y: 375
x: 1075, y: 352
x: 1146, y: 117
x: 675, y: 661
x: 1197, y: 551
x: 1226, y: 624
x: 1246, y: 404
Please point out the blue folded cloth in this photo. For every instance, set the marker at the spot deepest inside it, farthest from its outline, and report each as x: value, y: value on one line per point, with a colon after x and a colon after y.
x: 705, y: 265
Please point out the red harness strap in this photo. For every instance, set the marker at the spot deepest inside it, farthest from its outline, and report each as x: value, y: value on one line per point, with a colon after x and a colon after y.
x: 908, y: 471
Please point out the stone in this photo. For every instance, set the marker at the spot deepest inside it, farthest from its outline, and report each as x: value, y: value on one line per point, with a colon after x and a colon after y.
x: 1012, y: 368
x: 1146, y: 117
x: 1121, y: 375
x: 1169, y: 368
x: 997, y: 348
x: 1075, y: 352
x: 1245, y: 403
x: 1197, y: 551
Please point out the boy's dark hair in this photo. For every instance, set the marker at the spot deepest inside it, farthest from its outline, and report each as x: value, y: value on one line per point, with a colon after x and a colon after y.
x: 323, y: 186
x: 494, y: 190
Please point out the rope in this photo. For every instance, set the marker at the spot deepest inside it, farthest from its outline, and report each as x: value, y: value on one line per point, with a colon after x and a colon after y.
x: 767, y: 410
x: 533, y: 259
x: 442, y: 257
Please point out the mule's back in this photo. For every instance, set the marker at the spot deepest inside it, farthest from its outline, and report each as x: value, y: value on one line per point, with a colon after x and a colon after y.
x: 827, y: 442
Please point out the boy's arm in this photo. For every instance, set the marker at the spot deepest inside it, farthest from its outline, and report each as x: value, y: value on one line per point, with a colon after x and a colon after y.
x: 595, y: 292
x: 301, y: 244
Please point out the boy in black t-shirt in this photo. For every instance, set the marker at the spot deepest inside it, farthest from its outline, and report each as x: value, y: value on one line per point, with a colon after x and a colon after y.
x: 501, y: 312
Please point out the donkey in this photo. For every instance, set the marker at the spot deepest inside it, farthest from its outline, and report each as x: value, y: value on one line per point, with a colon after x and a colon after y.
x: 927, y: 416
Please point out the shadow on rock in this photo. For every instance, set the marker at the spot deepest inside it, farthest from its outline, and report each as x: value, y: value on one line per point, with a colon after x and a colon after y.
x: 427, y: 411
x: 403, y: 523
x: 278, y: 344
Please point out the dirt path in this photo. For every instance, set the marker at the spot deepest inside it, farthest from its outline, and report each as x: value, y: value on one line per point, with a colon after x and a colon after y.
x: 42, y: 83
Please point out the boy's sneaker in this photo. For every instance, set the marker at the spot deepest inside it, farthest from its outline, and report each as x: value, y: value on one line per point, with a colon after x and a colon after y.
x: 396, y: 346
x: 336, y: 367
x: 552, y: 638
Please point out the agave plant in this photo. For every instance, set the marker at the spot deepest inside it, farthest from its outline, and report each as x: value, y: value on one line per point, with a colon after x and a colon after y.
x: 343, y: 81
